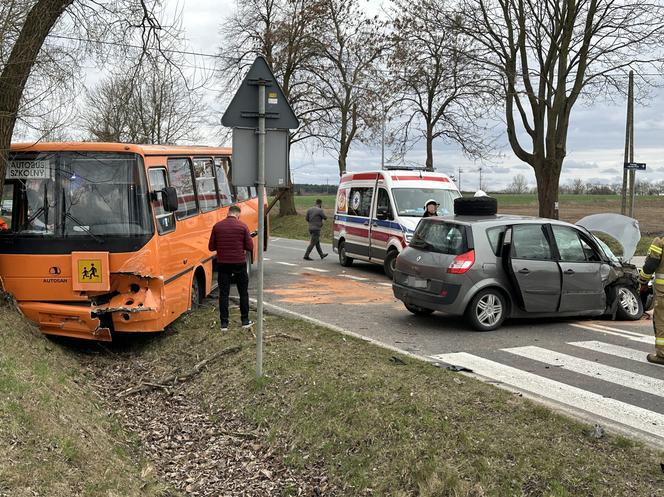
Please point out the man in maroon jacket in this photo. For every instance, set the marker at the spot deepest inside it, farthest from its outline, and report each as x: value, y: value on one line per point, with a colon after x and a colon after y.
x: 231, y: 239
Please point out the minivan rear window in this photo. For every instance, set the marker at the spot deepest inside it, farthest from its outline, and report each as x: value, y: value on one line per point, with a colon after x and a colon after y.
x: 441, y: 237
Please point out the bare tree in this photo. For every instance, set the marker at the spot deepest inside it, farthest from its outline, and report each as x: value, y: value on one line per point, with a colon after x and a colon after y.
x: 284, y: 32
x: 343, y: 75
x: 519, y: 185
x: 578, y: 187
x: 550, y: 53
x: 153, y: 105
x: 29, y: 24
x: 443, y: 90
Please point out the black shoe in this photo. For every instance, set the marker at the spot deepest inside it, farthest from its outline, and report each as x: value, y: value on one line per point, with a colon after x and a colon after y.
x: 655, y: 359
x: 224, y: 326
x: 324, y: 256
x: 307, y: 258
x: 247, y: 324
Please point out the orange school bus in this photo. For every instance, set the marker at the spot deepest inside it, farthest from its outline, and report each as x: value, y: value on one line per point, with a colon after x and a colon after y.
x: 104, y: 237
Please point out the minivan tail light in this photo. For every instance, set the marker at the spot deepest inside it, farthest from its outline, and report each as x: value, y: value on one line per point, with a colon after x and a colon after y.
x: 462, y: 263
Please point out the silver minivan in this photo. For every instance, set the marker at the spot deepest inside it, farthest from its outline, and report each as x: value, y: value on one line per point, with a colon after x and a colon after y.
x: 489, y: 268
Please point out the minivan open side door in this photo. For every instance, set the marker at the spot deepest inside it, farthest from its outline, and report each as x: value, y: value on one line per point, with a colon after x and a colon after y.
x: 532, y: 268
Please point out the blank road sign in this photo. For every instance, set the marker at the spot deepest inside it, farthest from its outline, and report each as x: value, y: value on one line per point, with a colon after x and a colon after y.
x: 245, y: 157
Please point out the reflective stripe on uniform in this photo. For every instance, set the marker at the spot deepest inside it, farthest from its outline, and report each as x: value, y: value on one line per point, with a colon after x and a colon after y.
x: 659, y: 341
x: 659, y: 275
x: 659, y: 282
x: 646, y: 276
x: 655, y: 249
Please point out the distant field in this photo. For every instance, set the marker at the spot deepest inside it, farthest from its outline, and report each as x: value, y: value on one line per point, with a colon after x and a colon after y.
x: 649, y: 211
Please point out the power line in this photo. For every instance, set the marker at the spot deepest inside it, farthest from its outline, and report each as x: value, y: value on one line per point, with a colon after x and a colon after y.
x: 140, y: 47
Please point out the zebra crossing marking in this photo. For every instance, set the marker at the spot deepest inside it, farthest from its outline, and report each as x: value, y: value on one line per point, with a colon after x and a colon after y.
x: 622, y: 413
x: 593, y: 369
x: 615, y: 350
x: 630, y: 336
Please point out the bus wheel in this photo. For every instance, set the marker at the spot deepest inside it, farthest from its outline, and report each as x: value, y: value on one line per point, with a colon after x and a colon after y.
x: 248, y: 263
x: 196, y: 293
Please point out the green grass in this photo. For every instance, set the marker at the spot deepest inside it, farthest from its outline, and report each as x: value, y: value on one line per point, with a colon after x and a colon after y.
x: 56, y: 439
x: 382, y: 429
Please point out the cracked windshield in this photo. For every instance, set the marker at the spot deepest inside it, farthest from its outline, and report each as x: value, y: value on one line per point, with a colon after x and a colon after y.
x: 79, y: 194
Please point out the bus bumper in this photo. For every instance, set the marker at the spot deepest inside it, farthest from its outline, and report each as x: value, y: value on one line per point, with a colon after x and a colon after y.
x: 66, y: 320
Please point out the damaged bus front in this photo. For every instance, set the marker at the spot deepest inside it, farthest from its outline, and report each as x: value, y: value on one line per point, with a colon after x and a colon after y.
x: 77, y: 243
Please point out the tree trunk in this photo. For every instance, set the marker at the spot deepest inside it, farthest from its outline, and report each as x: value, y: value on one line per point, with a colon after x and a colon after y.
x: 287, y: 203
x: 548, y: 180
x: 38, y: 24
x: 429, y: 162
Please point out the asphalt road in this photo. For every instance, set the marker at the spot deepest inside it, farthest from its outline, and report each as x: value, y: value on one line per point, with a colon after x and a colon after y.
x: 594, y: 369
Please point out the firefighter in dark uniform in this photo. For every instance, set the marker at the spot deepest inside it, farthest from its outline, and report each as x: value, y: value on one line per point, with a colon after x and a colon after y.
x: 655, y: 264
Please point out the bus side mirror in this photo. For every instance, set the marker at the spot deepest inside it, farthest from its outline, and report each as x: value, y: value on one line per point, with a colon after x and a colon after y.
x: 170, y: 199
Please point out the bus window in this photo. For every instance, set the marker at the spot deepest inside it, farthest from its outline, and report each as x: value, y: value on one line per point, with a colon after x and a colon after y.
x: 181, y: 178
x: 252, y: 192
x: 241, y: 193
x: 165, y: 220
x: 205, y: 186
x: 222, y: 182
x: 7, y: 207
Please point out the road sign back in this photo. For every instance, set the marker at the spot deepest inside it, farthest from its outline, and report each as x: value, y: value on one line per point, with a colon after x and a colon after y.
x: 243, y: 109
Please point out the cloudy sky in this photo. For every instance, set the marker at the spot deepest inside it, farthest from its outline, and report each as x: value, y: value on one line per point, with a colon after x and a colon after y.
x: 595, y: 144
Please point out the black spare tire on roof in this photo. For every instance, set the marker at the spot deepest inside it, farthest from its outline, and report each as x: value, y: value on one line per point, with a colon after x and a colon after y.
x: 475, y: 206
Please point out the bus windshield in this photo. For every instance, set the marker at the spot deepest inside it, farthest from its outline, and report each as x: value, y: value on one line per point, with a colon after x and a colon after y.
x: 78, y: 194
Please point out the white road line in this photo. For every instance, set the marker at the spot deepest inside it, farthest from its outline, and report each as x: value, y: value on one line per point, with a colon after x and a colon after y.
x: 285, y: 263
x: 619, y: 330
x: 317, y: 269
x: 593, y: 369
x: 357, y: 278
x: 626, y: 414
x: 266, y: 259
x: 640, y: 338
x: 609, y: 348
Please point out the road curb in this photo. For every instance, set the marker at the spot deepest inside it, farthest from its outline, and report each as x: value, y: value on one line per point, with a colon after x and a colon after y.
x: 287, y: 313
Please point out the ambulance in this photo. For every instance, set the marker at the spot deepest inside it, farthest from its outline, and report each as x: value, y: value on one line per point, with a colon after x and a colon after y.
x: 376, y: 212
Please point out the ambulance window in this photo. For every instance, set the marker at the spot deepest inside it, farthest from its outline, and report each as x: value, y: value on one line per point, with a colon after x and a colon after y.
x: 383, y: 204
x: 360, y: 201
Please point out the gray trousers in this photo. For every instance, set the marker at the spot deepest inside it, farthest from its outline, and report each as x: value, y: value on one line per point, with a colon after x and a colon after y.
x: 315, y: 242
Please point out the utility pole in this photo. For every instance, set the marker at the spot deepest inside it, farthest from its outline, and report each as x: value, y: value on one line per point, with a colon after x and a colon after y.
x: 480, y: 177
x: 627, y: 184
x: 460, y: 179
x: 632, y: 172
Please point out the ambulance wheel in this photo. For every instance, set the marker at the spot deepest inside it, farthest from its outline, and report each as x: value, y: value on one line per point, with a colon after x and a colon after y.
x: 630, y: 307
x: 390, y: 263
x: 417, y: 310
x: 344, y: 260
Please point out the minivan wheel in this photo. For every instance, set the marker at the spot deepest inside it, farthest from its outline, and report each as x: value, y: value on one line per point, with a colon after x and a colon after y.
x: 487, y: 310
x: 630, y: 307
x: 344, y: 260
x: 390, y: 263
x: 417, y: 310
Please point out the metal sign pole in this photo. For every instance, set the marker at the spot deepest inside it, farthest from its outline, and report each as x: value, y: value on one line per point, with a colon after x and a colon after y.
x: 261, y: 227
